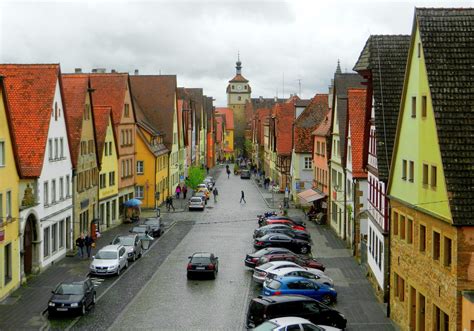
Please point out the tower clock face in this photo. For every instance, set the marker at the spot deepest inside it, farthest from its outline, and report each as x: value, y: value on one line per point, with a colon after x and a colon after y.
x: 239, y: 87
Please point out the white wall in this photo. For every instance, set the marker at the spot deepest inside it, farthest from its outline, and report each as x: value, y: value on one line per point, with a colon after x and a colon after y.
x: 376, y: 242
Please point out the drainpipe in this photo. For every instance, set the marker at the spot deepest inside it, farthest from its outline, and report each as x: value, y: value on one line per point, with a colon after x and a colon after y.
x: 356, y: 208
x: 73, y: 221
x: 389, y: 253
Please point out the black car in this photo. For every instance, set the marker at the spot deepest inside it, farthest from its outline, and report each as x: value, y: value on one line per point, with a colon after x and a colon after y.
x: 281, y: 228
x: 72, y: 297
x: 203, y: 264
x: 156, y: 227
x: 283, y: 240
x: 266, y: 308
x: 252, y: 258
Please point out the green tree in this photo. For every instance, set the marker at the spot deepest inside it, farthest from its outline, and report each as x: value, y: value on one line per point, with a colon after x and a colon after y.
x: 195, y: 177
x: 247, y: 147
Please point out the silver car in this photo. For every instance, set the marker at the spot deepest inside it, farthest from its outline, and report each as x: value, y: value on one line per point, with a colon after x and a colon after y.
x: 197, y: 203
x: 110, y: 260
x: 261, y: 272
x: 132, y: 244
x: 314, y: 274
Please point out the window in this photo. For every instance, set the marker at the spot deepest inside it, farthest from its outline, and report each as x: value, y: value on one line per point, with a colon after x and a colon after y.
x: 411, y: 172
x: 419, y: 50
x: 402, y: 227
x: 67, y: 185
x: 409, y: 231
x: 53, y: 191
x: 323, y: 148
x: 102, y: 181
x: 413, y: 107
x: 110, y: 148
x: 2, y: 153
x: 441, y: 320
x: 61, y: 147
x: 139, y: 192
x: 46, y: 242
x: 56, y: 148
x: 61, y: 188
x: 106, y: 149
x: 7, y: 269
x: 422, y: 238
x: 45, y: 193
x: 349, y: 188
x: 434, y: 176
x: 140, y: 167
x: 404, y: 169
x: 425, y: 174
x: 8, y: 204
x: 447, y: 252
x: 308, y: 164
x: 54, y: 237
x: 239, y: 98
x: 111, y: 178
x: 1, y: 208
x: 61, y: 234
x: 50, y: 148
x: 127, y: 110
x: 114, y: 210
x: 423, y: 106
x: 399, y: 284
x: 436, y: 246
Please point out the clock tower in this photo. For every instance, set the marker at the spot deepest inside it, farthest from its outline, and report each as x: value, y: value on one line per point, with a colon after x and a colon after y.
x: 238, y: 93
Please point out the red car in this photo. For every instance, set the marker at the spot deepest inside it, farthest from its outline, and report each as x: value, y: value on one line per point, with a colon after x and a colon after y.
x: 293, y: 225
x: 302, y: 261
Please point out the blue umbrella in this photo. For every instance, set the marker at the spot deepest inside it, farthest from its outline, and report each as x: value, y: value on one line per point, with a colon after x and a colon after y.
x: 132, y: 203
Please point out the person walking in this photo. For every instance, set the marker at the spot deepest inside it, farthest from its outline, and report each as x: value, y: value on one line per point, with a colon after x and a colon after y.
x: 207, y: 169
x: 80, y: 245
x: 170, y: 203
x: 88, y: 241
x: 178, y: 191
x: 216, y: 193
x: 228, y: 173
x: 185, y: 191
x: 242, y: 197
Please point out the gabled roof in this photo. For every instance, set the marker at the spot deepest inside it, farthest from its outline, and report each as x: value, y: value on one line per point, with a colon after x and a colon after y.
x: 324, y: 128
x: 447, y: 43
x: 307, y: 122
x: 238, y: 79
x: 219, y: 133
x: 75, y: 90
x: 263, y: 115
x: 30, y: 90
x: 229, y: 116
x: 384, y: 59
x: 358, y: 126
x: 156, y: 96
x: 284, y: 116
x: 101, y: 120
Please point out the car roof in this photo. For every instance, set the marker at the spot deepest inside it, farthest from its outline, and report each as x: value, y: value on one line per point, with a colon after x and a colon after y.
x: 278, y: 263
x: 288, y: 269
x: 201, y: 254
x: 291, y: 279
x: 282, y: 298
x: 111, y: 248
x: 289, y: 320
x: 132, y: 235
x: 74, y: 281
x: 195, y: 198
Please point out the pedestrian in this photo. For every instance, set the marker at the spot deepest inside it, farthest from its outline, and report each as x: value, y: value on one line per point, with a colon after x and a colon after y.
x: 216, y: 193
x: 80, y: 245
x: 228, y: 173
x: 170, y: 203
x: 88, y: 241
x: 185, y: 191
x: 242, y: 197
x: 167, y: 201
x: 207, y: 169
x: 178, y: 191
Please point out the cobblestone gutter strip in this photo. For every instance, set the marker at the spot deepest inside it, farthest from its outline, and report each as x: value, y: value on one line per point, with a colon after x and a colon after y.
x: 117, y: 297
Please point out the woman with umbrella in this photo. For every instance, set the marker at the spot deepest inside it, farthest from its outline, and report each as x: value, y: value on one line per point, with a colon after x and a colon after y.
x: 133, y: 209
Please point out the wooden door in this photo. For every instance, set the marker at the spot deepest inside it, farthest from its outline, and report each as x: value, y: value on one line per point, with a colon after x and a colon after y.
x: 28, y: 247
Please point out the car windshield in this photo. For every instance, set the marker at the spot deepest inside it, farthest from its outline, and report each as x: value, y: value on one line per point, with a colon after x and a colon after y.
x: 267, y: 326
x: 139, y: 229
x: 196, y: 200
x: 152, y: 222
x: 106, y: 255
x: 126, y: 241
x: 274, y: 285
x: 69, y: 289
x: 200, y: 259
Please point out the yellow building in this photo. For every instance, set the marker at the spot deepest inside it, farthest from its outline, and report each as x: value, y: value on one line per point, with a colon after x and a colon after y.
x: 431, y: 179
x: 9, y: 218
x: 227, y: 115
x: 108, y: 160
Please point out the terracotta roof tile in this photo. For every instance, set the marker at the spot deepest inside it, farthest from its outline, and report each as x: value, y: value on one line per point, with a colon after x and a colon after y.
x: 307, y: 122
x: 324, y: 128
x: 229, y: 116
x: 30, y: 90
x: 358, y: 123
x: 238, y: 78
x: 101, y: 120
x: 284, y: 115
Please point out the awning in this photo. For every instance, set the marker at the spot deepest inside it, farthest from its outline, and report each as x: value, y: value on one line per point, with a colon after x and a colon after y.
x: 310, y: 196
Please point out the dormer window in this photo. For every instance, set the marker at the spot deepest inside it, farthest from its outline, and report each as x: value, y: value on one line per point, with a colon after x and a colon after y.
x: 127, y: 110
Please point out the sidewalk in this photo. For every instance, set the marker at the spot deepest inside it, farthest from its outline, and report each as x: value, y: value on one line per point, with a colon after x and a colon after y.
x: 23, y: 308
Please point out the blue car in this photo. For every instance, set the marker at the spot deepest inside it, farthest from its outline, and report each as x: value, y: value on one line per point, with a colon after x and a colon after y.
x: 301, y: 286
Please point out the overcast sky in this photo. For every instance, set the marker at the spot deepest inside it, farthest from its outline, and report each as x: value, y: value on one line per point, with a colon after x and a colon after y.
x: 280, y: 42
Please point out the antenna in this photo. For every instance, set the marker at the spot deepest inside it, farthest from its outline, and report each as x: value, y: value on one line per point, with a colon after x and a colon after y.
x: 283, y: 85
x: 299, y: 86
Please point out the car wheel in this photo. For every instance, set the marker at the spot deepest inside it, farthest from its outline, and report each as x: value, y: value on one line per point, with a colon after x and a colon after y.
x: 304, y: 250
x: 83, y: 310
x: 326, y: 299
x: 134, y: 256
x: 118, y: 271
x: 94, y: 299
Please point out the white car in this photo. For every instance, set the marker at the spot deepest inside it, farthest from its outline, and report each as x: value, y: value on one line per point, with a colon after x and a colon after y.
x: 196, y: 203
x: 292, y: 323
x: 260, y: 272
x: 109, y: 260
x: 314, y: 274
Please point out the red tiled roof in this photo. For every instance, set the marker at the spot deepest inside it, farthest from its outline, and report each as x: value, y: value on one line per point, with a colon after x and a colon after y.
x: 262, y: 116
x: 238, y: 78
x: 74, y: 98
x: 308, y: 120
x: 284, y: 113
x: 219, y: 122
x: 229, y: 117
x: 30, y: 90
x: 101, y: 121
x: 324, y: 128
x: 358, y: 125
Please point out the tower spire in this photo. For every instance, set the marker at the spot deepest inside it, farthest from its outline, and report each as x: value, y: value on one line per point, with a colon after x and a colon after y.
x: 238, y: 65
x: 338, y: 68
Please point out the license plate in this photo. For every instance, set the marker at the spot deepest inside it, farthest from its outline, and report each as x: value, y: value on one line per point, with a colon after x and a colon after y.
x: 101, y: 270
x: 61, y: 309
x: 200, y: 268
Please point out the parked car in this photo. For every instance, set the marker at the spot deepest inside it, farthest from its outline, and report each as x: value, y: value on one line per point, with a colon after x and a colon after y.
x: 290, y: 256
x: 196, y: 203
x: 201, y: 195
x: 155, y: 225
x: 292, y: 323
x: 261, y: 272
x: 299, y: 271
x: 203, y: 263
x: 205, y: 191
x: 132, y: 244
x: 283, y: 240
x: 266, y: 308
x: 281, y: 228
x: 252, y: 258
x: 289, y: 222
x: 209, y: 181
x: 293, y: 220
x: 109, y: 260
x: 300, y: 286
x: 245, y: 174
x: 202, y: 185
x: 72, y: 297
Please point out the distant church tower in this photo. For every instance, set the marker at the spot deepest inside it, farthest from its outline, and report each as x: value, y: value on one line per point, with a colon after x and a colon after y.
x: 238, y: 92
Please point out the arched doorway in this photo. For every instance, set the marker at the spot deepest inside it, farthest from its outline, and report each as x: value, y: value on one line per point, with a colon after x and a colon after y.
x: 30, y: 236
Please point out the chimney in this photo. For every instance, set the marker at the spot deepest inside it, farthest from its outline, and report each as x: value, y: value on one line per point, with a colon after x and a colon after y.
x: 261, y: 98
x: 94, y: 71
x: 78, y: 70
x: 99, y: 70
x: 136, y: 72
x: 113, y: 71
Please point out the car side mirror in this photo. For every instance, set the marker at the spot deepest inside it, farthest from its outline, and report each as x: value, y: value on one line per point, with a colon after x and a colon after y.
x: 93, y: 256
x: 52, y: 292
x: 189, y: 257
